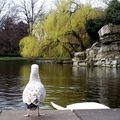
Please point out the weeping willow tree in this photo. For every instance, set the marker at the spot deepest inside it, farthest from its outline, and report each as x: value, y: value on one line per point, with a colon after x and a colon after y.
x: 55, y: 27
x: 29, y: 47
x: 63, y: 31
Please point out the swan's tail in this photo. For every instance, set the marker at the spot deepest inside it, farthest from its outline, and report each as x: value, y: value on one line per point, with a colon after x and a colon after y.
x: 58, y: 107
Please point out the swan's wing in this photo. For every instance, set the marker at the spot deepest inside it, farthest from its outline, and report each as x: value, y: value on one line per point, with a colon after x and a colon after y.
x: 87, y: 105
x: 34, y: 93
x: 40, y: 93
x: 27, y: 95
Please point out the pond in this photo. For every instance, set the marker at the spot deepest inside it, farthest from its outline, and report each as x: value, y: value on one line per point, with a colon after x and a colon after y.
x: 64, y: 84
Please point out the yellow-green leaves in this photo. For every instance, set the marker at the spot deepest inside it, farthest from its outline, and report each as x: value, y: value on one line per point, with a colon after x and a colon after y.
x: 61, y: 33
x: 80, y: 17
x: 29, y: 47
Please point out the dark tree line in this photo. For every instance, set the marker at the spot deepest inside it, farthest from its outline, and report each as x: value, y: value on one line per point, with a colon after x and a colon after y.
x: 66, y: 27
x: 110, y: 15
x: 16, y: 22
x: 10, y: 35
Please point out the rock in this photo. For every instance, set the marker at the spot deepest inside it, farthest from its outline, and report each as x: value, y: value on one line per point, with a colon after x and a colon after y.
x: 104, y: 31
x: 75, y: 61
x: 114, y: 63
x: 80, y: 55
x: 109, y: 33
x: 109, y: 29
x: 82, y: 64
x: 105, y: 53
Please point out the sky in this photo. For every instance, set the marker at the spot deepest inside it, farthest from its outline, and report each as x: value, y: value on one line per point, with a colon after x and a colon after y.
x: 50, y: 3
x: 94, y: 3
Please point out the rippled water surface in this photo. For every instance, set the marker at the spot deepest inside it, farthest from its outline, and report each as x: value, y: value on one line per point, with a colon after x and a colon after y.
x: 64, y: 84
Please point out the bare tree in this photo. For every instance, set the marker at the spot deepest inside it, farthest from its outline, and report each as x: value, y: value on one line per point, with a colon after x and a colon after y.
x: 7, y: 10
x: 2, y: 5
x: 32, y: 11
x: 105, y: 1
x: 2, y: 11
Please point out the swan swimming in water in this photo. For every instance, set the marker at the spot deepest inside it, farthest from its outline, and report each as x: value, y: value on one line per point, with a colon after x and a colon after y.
x: 79, y: 106
x: 34, y: 92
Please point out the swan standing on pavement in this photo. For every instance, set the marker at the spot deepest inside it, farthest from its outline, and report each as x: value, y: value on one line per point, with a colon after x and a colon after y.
x: 79, y: 106
x: 34, y: 92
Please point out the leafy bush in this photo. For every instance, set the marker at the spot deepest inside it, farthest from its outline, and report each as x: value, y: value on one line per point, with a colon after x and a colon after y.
x: 112, y: 13
x: 92, y: 28
x: 52, y: 49
x: 29, y: 47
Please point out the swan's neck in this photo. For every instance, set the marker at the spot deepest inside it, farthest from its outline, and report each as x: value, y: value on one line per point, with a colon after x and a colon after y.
x: 34, y: 77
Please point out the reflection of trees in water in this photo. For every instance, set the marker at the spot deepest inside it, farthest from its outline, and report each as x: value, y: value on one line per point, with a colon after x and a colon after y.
x: 9, y: 72
x: 24, y: 73
x: 101, y: 84
x: 57, y: 79
x: 64, y: 83
x: 10, y: 89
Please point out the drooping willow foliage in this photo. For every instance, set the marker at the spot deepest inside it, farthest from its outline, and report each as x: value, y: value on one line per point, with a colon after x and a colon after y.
x: 61, y: 33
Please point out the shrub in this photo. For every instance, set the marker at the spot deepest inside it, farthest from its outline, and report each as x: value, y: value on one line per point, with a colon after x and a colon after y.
x: 29, y: 47
x: 113, y: 12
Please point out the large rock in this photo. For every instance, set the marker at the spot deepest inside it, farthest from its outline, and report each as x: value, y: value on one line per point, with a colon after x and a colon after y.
x: 109, y: 29
x: 106, y: 52
x: 109, y: 33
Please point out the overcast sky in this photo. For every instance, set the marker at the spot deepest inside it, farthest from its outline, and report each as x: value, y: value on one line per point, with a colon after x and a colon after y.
x: 94, y: 3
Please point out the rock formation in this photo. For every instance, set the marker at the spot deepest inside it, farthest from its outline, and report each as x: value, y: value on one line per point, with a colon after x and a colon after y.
x: 105, y: 52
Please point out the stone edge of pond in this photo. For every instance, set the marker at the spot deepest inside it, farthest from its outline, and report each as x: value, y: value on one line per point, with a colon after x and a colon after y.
x: 48, y: 114
x: 39, y: 60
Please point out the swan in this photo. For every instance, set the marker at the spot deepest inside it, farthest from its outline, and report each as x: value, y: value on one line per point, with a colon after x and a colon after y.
x: 83, y: 105
x: 34, y: 92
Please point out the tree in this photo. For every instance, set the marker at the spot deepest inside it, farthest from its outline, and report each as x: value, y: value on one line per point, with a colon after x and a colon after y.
x: 8, y: 10
x: 2, y: 12
x: 32, y: 50
x: 79, y: 20
x: 66, y: 26
x: 112, y: 13
x: 10, y: 36
x: 92, y: 28
x: 55, y: 29
x: 94, y: 25
x: 63, y: 31
x: 32, y: 11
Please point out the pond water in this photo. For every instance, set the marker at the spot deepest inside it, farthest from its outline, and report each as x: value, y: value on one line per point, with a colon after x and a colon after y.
x: 64, y: 84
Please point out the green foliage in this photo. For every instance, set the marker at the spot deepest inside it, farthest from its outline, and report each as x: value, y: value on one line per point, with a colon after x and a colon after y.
x: 79, y: 20
x: 62, y: 33
x: 81, y: 16
x: 52, y: 49
x: 57, y: 24
x: 113, y: 12
x: 29, y: 47
x: 111, y: 15
x: 92, y: 28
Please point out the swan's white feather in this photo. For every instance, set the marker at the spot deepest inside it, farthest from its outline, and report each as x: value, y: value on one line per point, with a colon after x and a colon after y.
x: 87, y: 105
x: 34, y: 91
x: 84, y: 105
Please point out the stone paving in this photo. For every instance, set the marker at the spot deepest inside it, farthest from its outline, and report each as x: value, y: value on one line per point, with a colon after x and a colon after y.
x: 106, y: 114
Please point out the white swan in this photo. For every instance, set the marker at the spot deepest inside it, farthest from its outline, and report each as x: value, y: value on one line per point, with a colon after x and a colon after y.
x: 34, y: 92
x: 84, y: 105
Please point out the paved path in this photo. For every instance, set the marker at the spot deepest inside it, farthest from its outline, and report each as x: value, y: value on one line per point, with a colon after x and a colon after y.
x: 49, y: 115
x: 110, y: 114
